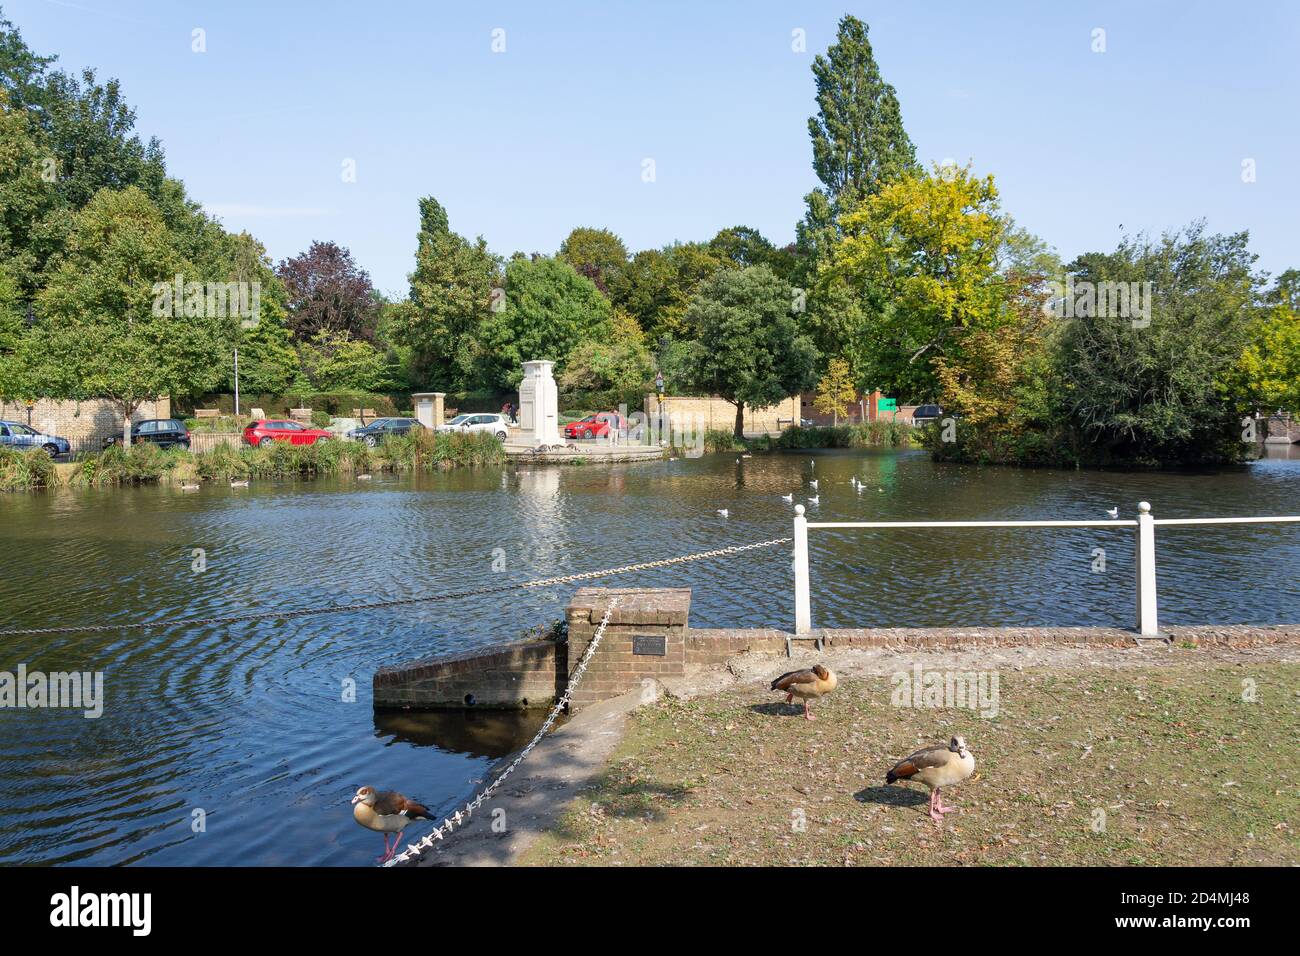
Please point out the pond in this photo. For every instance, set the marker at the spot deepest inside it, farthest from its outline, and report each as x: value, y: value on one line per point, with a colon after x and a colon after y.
x: 246, y: 727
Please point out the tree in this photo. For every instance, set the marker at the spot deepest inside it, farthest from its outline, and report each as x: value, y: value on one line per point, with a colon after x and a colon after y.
x: 451, y: 293
x: 334, y: 361
x: 101, y: 332
x: 836, y: 390
x: 859, y: 143
x: 328, y: 292
x: 597, y: 254
x: 749, y: 350
x: 1151, y: 391
x: 657, y: 286
x: 923, y: 254
x: 548, y: 311
x: 1269, y: 370
x: 610, y: 370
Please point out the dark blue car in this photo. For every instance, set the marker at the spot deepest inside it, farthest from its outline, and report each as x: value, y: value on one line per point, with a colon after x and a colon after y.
x: 18, y: 435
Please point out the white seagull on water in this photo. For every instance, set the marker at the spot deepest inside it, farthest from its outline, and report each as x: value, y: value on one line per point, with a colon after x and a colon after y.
x: 815, y: 499
x: 723, y: 512
x: 1113, y: 512
x: 789, y: 497
x: 813, y: 483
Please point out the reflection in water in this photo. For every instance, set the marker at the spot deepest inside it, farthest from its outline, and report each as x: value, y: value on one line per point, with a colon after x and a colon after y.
x: 233, y: 718
x: 475, y: 733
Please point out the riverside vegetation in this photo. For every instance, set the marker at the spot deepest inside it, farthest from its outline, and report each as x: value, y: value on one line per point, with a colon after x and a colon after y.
x: 148, y: 464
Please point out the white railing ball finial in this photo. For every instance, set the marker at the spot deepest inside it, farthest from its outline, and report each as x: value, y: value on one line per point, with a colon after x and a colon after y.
x: 798, y: 510
x: 1144, y: 507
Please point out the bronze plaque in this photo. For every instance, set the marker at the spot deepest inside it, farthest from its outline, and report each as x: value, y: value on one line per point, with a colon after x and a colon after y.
x: 652, y: 645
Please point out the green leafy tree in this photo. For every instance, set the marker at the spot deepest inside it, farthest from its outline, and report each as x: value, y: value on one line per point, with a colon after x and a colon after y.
x: 657, y: 286
x: 611, y: 370
x: 451, y: 294
x: 1150, y: 391
x: 924, y: 255
x: 858, y: 140
x: 548, y: 311
x: 597, y: 254
x: 335, y: 361
x: 749, y: 350
x: 101, y: 331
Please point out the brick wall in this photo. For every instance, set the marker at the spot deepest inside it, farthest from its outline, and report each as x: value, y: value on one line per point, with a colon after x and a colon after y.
x: 535, y: 673
x: 90, y: 421
x: 685, y: 412
x: 653, y: 614
x: 517, y: 674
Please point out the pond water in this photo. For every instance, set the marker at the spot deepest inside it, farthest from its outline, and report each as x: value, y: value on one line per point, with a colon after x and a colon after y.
x: 247, y: 722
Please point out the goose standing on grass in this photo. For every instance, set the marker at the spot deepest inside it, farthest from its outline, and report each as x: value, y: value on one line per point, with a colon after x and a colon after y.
x: 387, y: 812
x: 936, y: 767
x: 817, y: 681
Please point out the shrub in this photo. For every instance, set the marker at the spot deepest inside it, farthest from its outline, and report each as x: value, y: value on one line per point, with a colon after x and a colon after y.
x: 26, y: 470
x: 115, y: 465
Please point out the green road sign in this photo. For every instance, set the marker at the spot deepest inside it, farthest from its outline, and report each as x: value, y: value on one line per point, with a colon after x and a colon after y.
x: 887, y: 405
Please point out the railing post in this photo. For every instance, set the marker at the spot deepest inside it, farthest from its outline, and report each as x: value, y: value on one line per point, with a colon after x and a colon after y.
x: 802, y: 600
x: 1147, y: 623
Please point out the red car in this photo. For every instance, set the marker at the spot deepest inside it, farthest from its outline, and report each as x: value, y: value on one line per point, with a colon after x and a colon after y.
x: 268, y: 430
x: 595, y: 426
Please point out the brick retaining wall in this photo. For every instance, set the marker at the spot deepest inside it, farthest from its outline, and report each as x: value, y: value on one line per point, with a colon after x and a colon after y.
x: 517, y: 674
x: 648, y: 621
x: 87, y: 422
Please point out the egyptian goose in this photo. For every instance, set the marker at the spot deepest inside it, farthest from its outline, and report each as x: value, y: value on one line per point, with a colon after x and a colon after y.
x: 817, y: 681
x: 388, y: 812
x: 936, y: 767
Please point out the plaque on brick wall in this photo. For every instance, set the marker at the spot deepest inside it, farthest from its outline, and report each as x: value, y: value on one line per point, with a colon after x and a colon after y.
x: 655, y: 645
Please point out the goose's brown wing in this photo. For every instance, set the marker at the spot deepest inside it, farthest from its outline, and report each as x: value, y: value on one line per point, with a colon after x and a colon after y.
x: 913, y: 763
x: 786, y: 681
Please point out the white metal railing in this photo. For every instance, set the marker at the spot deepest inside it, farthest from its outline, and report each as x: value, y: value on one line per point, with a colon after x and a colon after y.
x: 1145, y: 572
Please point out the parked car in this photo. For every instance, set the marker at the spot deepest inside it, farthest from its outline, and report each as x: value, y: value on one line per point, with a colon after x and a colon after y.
x: 266, y: 431
x: 18, y: 435
x: 494, y: 424
x: 164, y: 432
x: 375, y: 432
x: 925, y: 414
x: 595, y: 426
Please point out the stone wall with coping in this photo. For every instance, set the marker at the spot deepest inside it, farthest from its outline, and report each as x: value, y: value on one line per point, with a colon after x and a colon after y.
x: 649, y: 640
x: 687, y: 413
x: 92, y: 420
x: 645, y: 621
x: 529, y: 673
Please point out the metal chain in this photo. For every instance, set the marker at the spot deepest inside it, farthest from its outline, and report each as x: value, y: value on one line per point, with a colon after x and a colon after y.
x: 395, y: 602
x: 413, y: 850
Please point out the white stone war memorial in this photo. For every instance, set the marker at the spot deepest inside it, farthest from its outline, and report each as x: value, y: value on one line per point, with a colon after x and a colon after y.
x: 539, y: 405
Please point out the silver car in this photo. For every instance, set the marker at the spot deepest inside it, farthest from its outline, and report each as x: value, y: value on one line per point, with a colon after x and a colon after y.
x: 493, y: 424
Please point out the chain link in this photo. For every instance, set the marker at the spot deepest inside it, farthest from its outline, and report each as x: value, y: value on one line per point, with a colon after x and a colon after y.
x: 414, y: 850
x: 394, y: 602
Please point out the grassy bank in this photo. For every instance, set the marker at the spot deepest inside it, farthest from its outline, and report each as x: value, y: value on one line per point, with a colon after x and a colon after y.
x: 1185, y: 772
x: 26, y: 470
x: 798, y: 438
x: 148, y: 464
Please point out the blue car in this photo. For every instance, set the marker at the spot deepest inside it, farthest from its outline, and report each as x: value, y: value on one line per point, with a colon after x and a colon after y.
x: 18, y: 435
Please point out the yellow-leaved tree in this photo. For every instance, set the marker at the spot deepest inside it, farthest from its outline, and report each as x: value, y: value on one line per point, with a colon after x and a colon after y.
x: 835, y: 390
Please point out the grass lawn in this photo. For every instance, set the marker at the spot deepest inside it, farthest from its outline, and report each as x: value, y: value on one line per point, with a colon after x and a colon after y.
x: 1184, y: 770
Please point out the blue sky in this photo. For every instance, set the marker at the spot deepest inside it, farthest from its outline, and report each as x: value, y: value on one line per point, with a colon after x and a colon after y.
x: 522, y: 146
